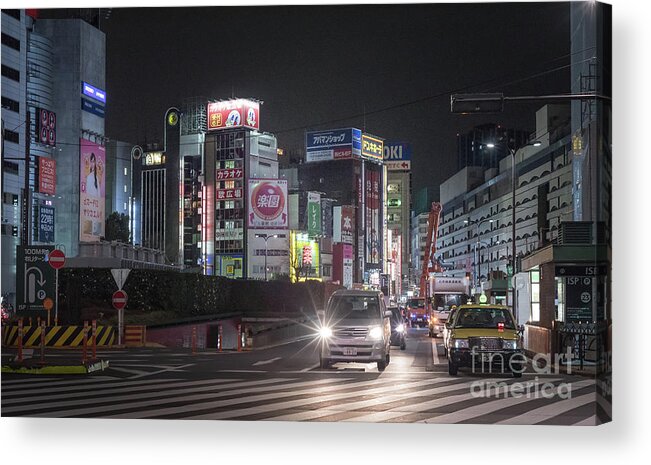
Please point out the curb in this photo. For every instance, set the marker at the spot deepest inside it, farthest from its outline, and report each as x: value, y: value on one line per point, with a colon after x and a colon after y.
x: 100, y: 365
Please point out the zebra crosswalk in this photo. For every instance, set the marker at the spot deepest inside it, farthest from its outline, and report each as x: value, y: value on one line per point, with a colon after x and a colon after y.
x: 310, y: 397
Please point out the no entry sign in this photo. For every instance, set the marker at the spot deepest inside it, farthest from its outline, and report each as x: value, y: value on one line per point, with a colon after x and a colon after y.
x: 119, y: 300
x: 56, y: 259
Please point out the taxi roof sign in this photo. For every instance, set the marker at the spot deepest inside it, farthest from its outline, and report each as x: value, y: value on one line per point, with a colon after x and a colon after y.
x: 483, y: 299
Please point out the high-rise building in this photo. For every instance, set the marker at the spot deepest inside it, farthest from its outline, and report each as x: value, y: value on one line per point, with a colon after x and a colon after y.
x: 347, y: 166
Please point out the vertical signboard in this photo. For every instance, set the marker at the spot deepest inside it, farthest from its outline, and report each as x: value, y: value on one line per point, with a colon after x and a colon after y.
x: 348, y: 257
x: 47, y: 175
x: 313, y: 214
x: 34, y: 277
x: 92, y: 171
x: 267, y: 204
x: 326, y: 217
x: 372, y: 217
x: 46, y: 127
x: 45, y: 223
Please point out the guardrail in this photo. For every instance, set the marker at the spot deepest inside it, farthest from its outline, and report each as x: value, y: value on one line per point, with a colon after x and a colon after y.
x: 56, y: 336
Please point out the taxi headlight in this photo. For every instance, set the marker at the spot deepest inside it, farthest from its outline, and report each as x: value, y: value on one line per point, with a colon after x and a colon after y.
x: 375, y: 333
x: 460, y: 343
x: 510, y: 345
x: 325, y: 332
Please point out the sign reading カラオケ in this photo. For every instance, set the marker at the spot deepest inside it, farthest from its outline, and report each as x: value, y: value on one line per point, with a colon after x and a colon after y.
x: 267, y: 204
x: 234, y: 113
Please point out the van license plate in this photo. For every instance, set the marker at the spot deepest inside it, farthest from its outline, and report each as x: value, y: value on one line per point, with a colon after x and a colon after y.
x: 350, y: 351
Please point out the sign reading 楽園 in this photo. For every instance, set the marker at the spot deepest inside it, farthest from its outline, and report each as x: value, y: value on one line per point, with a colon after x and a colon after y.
x: 267, y: 204
x: 372, y: 147
x: 397, y: 156
x: 335, y: 144
x: 92, y: 170
x: 34, y: 277
x: 45, y: 223
x: 235, y: 113
x: 313, y: 213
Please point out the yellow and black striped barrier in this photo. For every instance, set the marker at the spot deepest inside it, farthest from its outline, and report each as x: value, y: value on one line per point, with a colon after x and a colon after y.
x: 57, y: 336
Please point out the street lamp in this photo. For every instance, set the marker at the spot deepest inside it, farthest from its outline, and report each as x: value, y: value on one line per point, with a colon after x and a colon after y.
x: 266, y: 238
x: 535, y: 143
x: 477, y: 257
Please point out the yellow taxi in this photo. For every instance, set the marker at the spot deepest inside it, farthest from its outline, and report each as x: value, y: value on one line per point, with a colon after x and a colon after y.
x: 485, y: 339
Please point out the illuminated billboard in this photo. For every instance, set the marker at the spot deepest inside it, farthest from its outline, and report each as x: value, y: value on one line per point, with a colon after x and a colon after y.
x: 335, y: 144
x: 93, y: 92
x: 46, y: 127
x: 397, y: 156
x: 304, y: 257
x: 47, y: 175
x: 92, y: 171
x: 236, y: 113
x: 267, y: 205
x: 372, y: 147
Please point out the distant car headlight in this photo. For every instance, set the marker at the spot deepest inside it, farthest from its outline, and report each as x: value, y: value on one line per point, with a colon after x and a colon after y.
x: 375, y: 333
x: 460, y: 343
x: 512, y: 345
x: 325, y: 332
x: 400, y: 328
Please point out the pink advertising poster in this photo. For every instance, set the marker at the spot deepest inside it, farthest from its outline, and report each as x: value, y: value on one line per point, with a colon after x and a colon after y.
x: 92, y: 189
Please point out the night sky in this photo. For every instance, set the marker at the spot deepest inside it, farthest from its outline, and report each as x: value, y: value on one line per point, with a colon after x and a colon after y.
x: 318, y: 67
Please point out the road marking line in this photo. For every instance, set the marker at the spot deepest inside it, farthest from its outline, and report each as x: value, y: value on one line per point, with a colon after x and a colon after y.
x: 309, y: 368
x: 188, y: 406
x: 175, y: 368
x: 126, y: 370
x: 549, y: 411
x: 314, y: 398
x: 195, y: 388
x: 590, y: 421
x: 267, y: 362
x: 435, y: 353
x: 492, y: 405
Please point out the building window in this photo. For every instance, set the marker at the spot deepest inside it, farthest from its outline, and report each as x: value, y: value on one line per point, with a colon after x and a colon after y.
x: 11, y: 73
x: 126, y: 173
x: 535, y: 295
x: 10, y: 104
x: 12, y: 136
x: 10, y: 41
x: 10, y: 167
x: 125, y: 188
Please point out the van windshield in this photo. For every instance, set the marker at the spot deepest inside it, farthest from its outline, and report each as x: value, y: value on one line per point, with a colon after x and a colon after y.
x: 353, y: 307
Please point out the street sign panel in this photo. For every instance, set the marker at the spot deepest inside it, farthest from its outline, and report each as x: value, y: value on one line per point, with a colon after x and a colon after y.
x: 57, y: 259
x: 120, y: 276
x: 34, y: 277
x: 119, y: 300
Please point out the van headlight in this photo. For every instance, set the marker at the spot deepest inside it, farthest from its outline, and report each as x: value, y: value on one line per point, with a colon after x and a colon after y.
x: 375, y: 333
x: 325, y: 332
x: 400, y: 328
x: 460, y: 343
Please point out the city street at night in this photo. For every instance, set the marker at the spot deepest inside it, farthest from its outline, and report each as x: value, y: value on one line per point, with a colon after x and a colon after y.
x: 285, y: 383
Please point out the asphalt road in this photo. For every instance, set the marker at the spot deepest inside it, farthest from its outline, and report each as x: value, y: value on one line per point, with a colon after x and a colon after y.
x: 286, y: 383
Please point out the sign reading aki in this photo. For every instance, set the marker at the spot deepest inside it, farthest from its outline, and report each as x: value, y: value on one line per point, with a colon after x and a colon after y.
x: 267, y: 204
x: 34, y: 277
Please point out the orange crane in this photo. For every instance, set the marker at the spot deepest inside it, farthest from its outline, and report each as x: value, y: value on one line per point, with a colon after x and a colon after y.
x: 430, y: 250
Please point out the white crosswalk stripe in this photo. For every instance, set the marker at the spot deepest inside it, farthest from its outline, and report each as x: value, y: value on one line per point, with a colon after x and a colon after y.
x: 301, y: 397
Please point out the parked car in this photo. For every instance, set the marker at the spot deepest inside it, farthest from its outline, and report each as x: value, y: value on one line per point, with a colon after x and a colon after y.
x: 485, y: 338
x: 355, y: 327
x: 398, y: 328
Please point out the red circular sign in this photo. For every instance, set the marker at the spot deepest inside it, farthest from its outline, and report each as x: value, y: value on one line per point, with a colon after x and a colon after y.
x: 57, y: 259
x: 268, y: 201
x: 119, y: 300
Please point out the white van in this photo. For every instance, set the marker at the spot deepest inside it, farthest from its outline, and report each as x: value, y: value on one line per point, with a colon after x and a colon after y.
x: 355, y: 327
